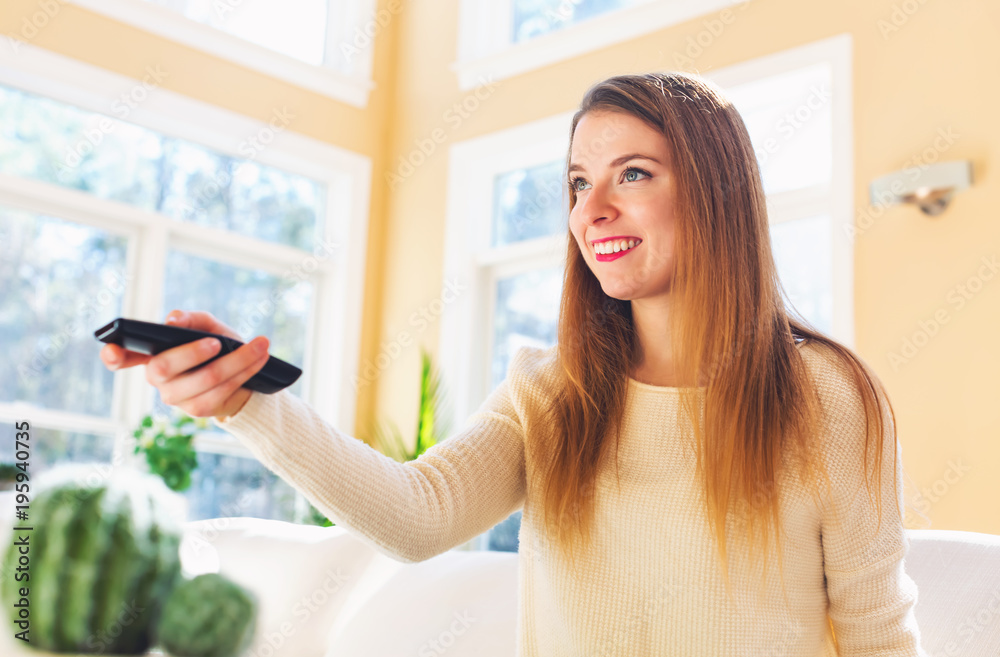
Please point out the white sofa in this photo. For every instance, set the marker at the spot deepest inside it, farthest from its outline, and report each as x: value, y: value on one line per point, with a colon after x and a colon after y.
x: 325, y: 593
x: 958, y: 591
x: 465, y: 603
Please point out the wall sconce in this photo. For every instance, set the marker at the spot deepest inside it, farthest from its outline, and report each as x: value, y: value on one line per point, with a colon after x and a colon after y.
x: 931, y: 187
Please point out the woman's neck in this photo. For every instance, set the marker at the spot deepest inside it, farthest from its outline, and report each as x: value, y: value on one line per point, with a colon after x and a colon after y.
x: 656, y: 363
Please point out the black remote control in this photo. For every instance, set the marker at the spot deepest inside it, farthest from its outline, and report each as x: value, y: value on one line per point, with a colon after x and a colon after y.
x: 150, y: 338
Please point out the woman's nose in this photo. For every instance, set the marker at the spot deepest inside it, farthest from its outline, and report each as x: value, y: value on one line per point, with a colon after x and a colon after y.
x: 598, y: 204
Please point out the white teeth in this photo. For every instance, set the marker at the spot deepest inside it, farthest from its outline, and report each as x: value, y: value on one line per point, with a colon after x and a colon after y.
x: 614, y: 247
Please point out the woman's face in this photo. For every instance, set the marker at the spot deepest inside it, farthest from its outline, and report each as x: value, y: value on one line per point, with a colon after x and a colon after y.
x: 619, y: 168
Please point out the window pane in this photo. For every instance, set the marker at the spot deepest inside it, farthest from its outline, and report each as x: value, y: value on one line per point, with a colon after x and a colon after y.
x: 225, y: 486
x: 296, y: 28
x: 231, y: 194
x: 528, y: 203
x: 61, y: 281
x: 504, y: 535
x: 534, y: 18
x: 55, y: 143
x: 61, y: 144
x: 789, y: 118
x: 527, y: 314
x: 252, y: 302
x: 802, y: 252
x: 50, y: 447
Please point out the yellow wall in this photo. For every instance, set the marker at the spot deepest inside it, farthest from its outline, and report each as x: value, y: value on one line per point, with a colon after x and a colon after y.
x: 937, y: 71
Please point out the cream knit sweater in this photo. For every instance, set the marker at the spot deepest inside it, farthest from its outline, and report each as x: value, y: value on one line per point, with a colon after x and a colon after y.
x: 651, y: 585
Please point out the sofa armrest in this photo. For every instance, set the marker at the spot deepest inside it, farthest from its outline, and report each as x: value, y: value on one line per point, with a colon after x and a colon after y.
x: 302, y: 575
x: 325, y: 592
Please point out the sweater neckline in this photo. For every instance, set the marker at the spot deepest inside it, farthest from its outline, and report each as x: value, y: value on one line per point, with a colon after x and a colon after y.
x: 662, y: 389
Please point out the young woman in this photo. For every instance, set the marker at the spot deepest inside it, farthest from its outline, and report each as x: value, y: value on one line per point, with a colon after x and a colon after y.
x: 684, y: 434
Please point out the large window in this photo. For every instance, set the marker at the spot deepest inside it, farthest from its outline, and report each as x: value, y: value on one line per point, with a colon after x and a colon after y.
x: 322, y: 45
x: 508, y: 212
x: 797, y: 107
x: 503, y: 38
x: 506, y: 234
x: 533, y: 18
x: 102, y: 217
x: 297, y: 28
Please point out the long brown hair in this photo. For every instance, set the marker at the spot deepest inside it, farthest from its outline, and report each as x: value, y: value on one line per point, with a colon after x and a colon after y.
x: 759, y: 402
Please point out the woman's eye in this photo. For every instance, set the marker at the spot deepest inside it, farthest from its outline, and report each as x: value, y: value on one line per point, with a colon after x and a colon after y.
x: 628, y: 176
x: 631, y: 171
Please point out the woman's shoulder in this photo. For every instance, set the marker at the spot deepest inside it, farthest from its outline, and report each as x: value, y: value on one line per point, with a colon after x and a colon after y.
x: 534, y: 366
x: 836, y: 383
x: 529, y: 387
x: 827, y: 366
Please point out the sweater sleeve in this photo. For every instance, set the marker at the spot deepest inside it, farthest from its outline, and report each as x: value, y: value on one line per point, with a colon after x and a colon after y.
x: 871, y: 598
x: 410, y: 511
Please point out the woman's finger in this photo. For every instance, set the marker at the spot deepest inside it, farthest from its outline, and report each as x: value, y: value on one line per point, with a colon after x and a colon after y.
x: 181, y: 387
x: 200, y: 321
x: 226, y: 398
x: 166, y: 365
x: 116, y: 357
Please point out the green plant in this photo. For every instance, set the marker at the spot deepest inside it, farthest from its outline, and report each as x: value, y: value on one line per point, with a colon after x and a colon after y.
x: 167, y: 444
x: 208, y: 616
x: 316, y: 517
x: 104, y: 552
x: 431, y: 427
x: 8, y: 472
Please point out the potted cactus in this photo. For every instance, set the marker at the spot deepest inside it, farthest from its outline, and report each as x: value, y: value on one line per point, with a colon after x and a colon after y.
x: 8, y: 476
x: 105, y: 573
x: 208, y: 616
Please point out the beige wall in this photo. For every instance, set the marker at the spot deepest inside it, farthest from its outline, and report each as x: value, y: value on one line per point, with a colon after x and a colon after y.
x: 937, y: 71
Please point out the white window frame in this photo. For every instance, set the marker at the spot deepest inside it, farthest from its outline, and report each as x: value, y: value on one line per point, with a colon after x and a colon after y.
x: 353, y: 89
x: 466, y: 326
x: 334, y: 330
x: 485, y: 51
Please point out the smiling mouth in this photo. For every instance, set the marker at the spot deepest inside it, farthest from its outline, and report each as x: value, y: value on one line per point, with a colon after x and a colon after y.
x: 615, y: 245
x: 614, y: 255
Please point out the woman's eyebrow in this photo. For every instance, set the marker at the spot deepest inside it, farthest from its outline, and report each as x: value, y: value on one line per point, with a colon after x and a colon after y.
x: 617, y: 161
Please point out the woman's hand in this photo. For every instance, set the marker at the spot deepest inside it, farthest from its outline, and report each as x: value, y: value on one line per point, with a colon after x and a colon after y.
x: 212, y: 390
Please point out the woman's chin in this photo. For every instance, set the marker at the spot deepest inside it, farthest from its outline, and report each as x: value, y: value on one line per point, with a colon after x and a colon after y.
x: 620, y: 292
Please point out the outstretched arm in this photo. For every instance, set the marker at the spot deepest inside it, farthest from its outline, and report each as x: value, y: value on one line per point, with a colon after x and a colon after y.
x: 455, y: 491
x: 412, y: 511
